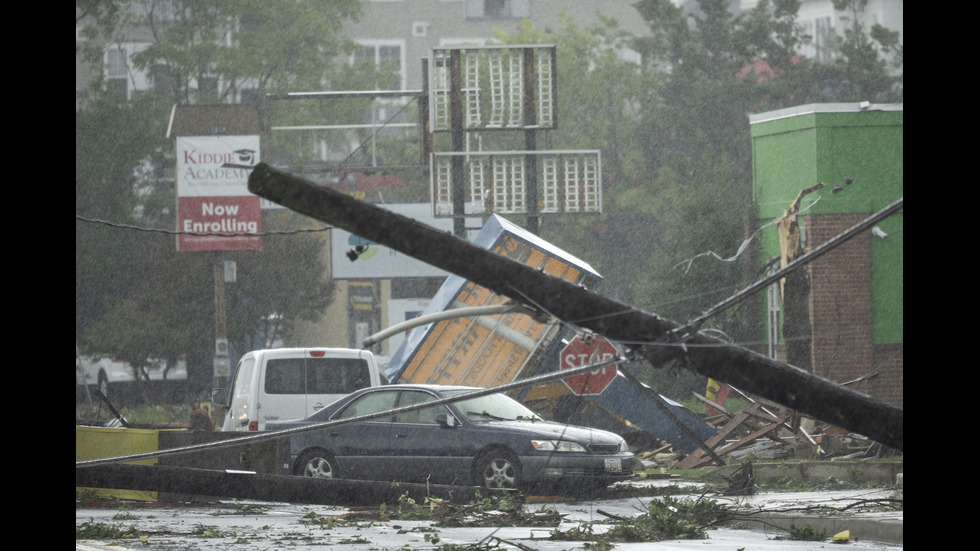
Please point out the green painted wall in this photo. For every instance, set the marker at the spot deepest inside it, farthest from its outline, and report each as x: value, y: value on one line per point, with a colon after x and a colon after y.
x: 796, y: 148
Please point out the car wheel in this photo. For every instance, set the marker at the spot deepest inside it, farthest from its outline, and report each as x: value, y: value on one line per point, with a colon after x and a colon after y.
x: 316, y: 464
x: 498, y: 469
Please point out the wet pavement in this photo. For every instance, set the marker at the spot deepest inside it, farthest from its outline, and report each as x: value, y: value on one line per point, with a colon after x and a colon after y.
x: 263, y: 526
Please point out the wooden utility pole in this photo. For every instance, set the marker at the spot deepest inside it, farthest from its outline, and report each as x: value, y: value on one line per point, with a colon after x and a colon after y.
x: 705, y: 355
x: 220, y: 324
x: 794, y: 289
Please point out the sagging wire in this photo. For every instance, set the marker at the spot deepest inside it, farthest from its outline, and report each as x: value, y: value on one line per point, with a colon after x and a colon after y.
x: 632, y: 348
x: 199, y: 234
x: 363, y: 143
x: 745, y: 243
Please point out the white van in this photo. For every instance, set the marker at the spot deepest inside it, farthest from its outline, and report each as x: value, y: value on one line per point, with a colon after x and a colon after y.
x: 292, y: 383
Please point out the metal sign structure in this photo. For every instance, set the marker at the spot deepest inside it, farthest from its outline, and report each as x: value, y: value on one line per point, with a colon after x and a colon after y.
x: 473, y: 89
x: 582, y: 351
x: 567, y: 182
x: 499, y: 87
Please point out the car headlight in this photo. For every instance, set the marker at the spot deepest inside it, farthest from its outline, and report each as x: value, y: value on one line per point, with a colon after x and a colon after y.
x: 557, y: 446
x: 623, y: 446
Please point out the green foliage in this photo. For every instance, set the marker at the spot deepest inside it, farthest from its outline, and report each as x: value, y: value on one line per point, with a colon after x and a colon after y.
x: 103, y: 531
x: 665, y: 519
x: 209, y: 532
x: 805, y: 533
x: 113, y: 139
x: 139, y: 415
x: 247, y: 43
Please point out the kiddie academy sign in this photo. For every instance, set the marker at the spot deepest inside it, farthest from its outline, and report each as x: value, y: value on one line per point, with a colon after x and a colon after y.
x: 215, y: 211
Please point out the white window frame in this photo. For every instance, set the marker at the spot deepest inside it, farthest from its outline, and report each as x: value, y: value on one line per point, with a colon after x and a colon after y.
x: 513, y: 9
x: 136, y: 80
x: 377, y: 44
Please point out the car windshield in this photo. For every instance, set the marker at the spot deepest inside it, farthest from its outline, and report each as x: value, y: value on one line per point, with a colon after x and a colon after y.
x: 495, y: 407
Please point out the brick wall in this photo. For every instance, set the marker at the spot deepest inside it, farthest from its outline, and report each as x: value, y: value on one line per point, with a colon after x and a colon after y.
x: 840, y: 313
x: 888, y: 386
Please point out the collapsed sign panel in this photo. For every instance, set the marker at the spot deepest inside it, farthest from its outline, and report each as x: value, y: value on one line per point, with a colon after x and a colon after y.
x: 486, y: 351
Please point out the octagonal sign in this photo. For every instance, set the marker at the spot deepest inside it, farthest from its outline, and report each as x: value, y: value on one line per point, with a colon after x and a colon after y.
x: 581, y: 352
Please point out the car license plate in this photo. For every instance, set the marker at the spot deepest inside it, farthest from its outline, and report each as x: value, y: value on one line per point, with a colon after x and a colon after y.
x: 613, y: 465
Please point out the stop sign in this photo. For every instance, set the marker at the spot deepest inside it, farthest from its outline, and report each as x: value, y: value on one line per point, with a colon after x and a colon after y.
x: 579, y: 353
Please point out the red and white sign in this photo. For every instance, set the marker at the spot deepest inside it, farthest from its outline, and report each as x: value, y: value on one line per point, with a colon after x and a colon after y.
x: 215, y: 211
x: 582, y: 352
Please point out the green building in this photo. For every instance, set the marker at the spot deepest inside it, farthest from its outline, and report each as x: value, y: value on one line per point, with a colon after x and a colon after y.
x: 852, y: 297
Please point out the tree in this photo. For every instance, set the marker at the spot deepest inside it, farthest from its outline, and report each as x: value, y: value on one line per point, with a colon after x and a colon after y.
x: 719, y: 67
x: 213, y: 47
x: 697, y: 147
x: 860, y: 70
x: 136, y: 296
x: 114, y: 139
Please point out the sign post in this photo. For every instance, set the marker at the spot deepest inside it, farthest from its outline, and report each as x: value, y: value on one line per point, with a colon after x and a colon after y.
x: 584, y: 351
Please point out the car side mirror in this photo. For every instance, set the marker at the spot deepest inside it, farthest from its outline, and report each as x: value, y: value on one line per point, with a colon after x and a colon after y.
x: 447, y: 420
x: 219, y: 396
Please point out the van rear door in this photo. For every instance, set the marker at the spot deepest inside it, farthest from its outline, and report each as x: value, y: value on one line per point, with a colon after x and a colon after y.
x: 299, y: 384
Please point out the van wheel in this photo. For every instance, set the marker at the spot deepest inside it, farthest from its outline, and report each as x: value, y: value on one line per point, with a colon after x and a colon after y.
x: 498, y: 469
x: 316, y: 464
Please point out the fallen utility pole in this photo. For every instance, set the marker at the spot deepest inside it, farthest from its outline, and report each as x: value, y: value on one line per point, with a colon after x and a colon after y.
x: 270, y: 487
x: 748, y: 370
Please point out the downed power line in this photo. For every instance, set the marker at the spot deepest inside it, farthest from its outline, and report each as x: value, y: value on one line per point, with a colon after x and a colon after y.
x: 737, y: 366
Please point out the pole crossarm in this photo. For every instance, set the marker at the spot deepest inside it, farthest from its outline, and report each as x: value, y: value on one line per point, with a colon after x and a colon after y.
x: 705, y: 355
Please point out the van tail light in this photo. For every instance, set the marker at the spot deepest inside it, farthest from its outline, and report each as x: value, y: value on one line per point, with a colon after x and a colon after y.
x: 318, y: 353
x: 253, y: 425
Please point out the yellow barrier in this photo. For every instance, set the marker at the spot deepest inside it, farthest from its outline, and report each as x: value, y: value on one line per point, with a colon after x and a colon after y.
x: 99, y: 442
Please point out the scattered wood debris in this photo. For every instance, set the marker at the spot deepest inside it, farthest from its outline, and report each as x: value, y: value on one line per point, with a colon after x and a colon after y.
x: 764, y: 431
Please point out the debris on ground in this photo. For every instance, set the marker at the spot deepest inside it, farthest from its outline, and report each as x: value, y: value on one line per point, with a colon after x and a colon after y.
x: 665, y: 519
x: 742, y: 482
x: 762, y: 431
x: 490, y: 511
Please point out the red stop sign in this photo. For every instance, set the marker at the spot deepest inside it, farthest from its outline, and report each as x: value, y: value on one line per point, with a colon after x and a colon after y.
x: 579, y: 353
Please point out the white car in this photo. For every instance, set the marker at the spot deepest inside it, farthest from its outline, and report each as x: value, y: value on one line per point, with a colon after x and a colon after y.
x: 110, y: 375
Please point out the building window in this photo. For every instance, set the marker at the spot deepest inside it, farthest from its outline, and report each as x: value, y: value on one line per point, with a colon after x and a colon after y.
x: 119, y: 71
x: 163, y: 82
x: 161, y: 11
x: 208, y: 87
x: 496, y: 9
x: 823, y: 43
x: 387, y: 56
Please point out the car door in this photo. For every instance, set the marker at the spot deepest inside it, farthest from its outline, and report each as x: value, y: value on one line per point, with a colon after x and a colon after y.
x: 361, y: 448
x: 424, y: 450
